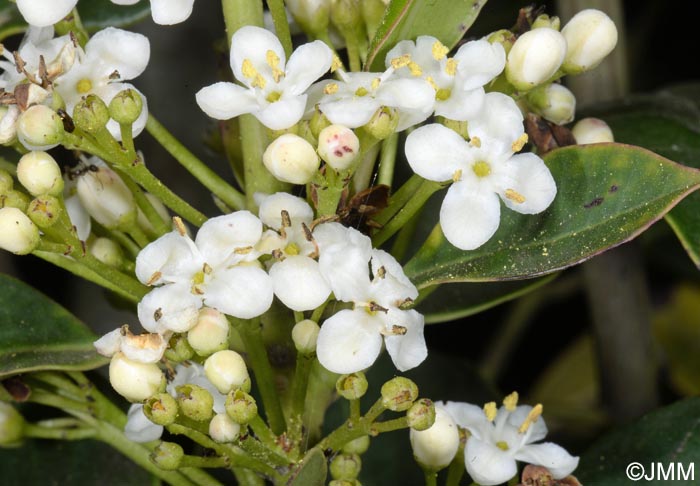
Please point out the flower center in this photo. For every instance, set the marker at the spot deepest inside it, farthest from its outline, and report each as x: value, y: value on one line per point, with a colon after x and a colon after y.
x: 443, y: 94
x: 361, y: 91
x: 503, y: 445
x: 83, y: 86
x: 292, y: 249
x: 273, y: 96
x: 481, y: 169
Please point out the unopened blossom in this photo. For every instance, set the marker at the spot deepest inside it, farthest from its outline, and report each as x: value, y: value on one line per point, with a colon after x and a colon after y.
x: 592, y: 130
x: 42, y: 13
x: 144, y: 348
x: 590, y: 35
x: 482, y: 170
x: 166, y: 12
x: 274, y: 90
x: 500, y: 437
x: 457, y: 81
x: 218, y: 269
x: 535, y: 57
x: 374, y: 282
x: 436, y: 446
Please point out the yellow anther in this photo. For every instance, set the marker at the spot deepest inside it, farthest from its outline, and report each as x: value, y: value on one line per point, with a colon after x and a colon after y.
x: 243, y: 250
x: 439, y: 50
x: 518, y: 145
x: 431, y: 82
x: 330, y: 88
x: 258, y: 82
x: 481, y: 169
x: 273, y: 61
x: 206, y: 269
x: 336, y: 63
x: 179, y: 225
x: 511, y: 401
x: 515, y: 196
x: 415, y: 69
x: 457, y: 176
x: 361, y: 91
x: 154, y: 278
x: 531, y: 418
x: 83, y: 86
x: 490, y: 411
x: 503, y: 445
x: 248, y: 70
x: 401, y: 61
x: 451, y: 66
x: 475, y: 141
x: 398, y: 330
x: 375, y: 83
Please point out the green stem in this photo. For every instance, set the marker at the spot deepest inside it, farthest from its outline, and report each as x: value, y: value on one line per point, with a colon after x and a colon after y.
x: 160, y: 226
x: 129, y: 284
x: 128, y: 139
x: 263, y: 432
x: 355, y: 410
x: 125, y: 241
x: 352, y: 430
x: 456, y: 469
x: 430, y: 477
x: 405, y: 237
x: 399, y: 198
x: 39, y: 432
x: 199, y: 477
x: 389, y: 425
x: 247, y: 477
x: 209, y: 179
x: 238, y: 13
x: 353, y: 47
x: 257, y: 449
x: 387, y: 159
x: 138, y: 235
x: 205, y: 462
x: 279, y: 18
x: 44, y: 397
x: 299, y: 388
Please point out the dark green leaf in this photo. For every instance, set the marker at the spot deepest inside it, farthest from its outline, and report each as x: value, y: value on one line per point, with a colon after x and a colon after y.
x: 669, y: 436
x: 99, y: 14
x: 312, y: 471
x: 38, y: 334
x: 607, y: 195
x: 447, y: 20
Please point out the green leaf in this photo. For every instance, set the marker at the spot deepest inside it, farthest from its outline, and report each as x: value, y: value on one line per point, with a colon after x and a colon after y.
x: 447, y: 20
x: 669, y: 436
x: 99, y: 14
x: 607, y: 195
x: 312, y: 471
x: 11, y: 22
x: 38, y: 334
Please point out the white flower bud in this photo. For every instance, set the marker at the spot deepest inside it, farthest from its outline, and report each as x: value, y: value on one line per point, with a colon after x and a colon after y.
x: 8, y: 123
x: 535, y: 57
x: 210, y: 334
x: 226, y: 370
x: 17, y: 232
x: 436, y: 446
x: 290, y: 158
x: 338, y: 146
x: 39, y: 128
x: 592, y: 130
x: 133, y: 380
x: 107, y: 199
x: 554, y: 102
x: 39, y: 173
x: 223, y: 429
x: 107, y: 251
x: 305, y: 335
x: 591, y: 35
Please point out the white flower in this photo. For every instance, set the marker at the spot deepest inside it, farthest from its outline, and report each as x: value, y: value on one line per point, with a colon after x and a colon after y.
x: 138, y: 428
x: 166, y: 12
x: 482, y: 170
x: 500, y: 438
x: 219, y: 269
x: 274, y: 89
x: 351, y: 340
x: 144, y: 348
x: 42, y: 13
x: 457, y: 82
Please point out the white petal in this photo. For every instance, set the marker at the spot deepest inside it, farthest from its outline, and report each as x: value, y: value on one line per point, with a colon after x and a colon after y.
x: 299, y: 284
x: 469, y: 218
x: 79, y: 217
x: 537, y: 430
x: 349, y: 341
x: 350, y: 112
x: 414, y: 98
x: 127, y: 52
x: 283, y: 113
x: 252, y: 43
x: 225, y: 100
x: 479, y: 62
x: 138, y: 428
x: 345, y: 265
x: 527, y: 175
x: 499, y: 118
x: 462, y: 105
x: 307, y: 63
x: 144, y: 348
x: 109, y: 344
x: 220, y: 237
x: 408, y: 350
x: 550, y: 455
x: 435, y: 152
x: 172, y: 255
x: 271, y: 208
x: 171, y: 307
x: 395, y: 286
x: 470, y: 417
x: 241, y: 291
x: 42, y: 13
x: 169, y: 12
x: 487, y: 464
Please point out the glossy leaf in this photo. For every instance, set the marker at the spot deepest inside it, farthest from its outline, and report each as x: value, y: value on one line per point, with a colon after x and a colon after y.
x: 607, y: 195
x: 38, y: 334
x: 99, y: 14
x: 669, y: 436
x: 312, y: 471
x: 447, y: 20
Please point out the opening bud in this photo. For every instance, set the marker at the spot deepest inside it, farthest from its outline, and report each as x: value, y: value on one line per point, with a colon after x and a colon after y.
x: 8, y: 124
x: 305, y: 335
x: 592, y: 130
x: 90, y: 113
x: 39, y: 128
x: 352, y: 386
x: 241, y: 407
x: 195, y: 402
x: 554, y: 102
x: 134, y: 380
x: 504, y: 37
x: 179, y: 349
x: 226, y: 370
x: 383, y: 123
x: 45, y: 211
x: 161, y: 409
x: 346, y: 466
x: 338, y: 146
x: 107, y: 251
x: 357, y: 446
x: 167, y: 456
x: 17, y: 232
x: 210, y: 334
x: 372, y: 14
x: 11, y: 426
x: 125, y: 108
x: 6, y: 182
x: 398, y: 394
x: 545, y: 20
x: 435, y: 447
x: 222, y: 429
x: 292, y: 159
x: 535, y: 58
x: 15, y: 199
x: 591, y: 35
x: 39, y: 173
x: 421, y: 415
x: 107, y: 199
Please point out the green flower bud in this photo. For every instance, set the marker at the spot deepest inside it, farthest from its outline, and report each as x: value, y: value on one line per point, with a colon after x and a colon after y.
x: 134, y: 380
x: 372, y: 14
x: 383, y: 123
x: 17, y: 232
x: 226, y: 370
x: 125, y: 108
x: 398, y: 394
x: 179, y: 349
x: 195, y: 402
x: 545, y: 20
x: 338, y: 146
x: 346, y: 466
x: 292, y: 159
x: 352, y: 386
x: 241, y: 407
x: 346, y: 15
x: 90, y: 114
x: 167, y: 456
x: 222, y: 429
x: 40, y: 128
x: 6, y: 181
x: 311, y: 15
x: 421, y: 415
x: 107, y: 251
x: 15, y: 199
x: 305, y: 335
x: 592, y: 130
x: 45, y: 211
x: 504, y: 37
x: 11, y: 426
x: 39, y: 173
x: 210, y: 334
x: 554, y: 102
x: 357, y: 446
x: 161, y: 409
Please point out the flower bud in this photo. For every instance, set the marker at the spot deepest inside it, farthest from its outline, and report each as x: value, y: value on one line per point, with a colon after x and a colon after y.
x: 545, y: 20
x: 39, y: 173
x: 345, y: 466
x: 6, y: 182
x: 45, y: 211
x: 352, y: 386
x: 290, y: 158
x: 591, y: 36
x: 435, y: 447
x: 90, y: 114
x: 311, y: 15
x: 338, y: 146
x: 222, y: 429
x: 8, y: 124
x: 179, y: 349
x: 226, y: 370
x: 107, y: 251
x: 241, y: 407
x: 11, y: 425
x: 305, y: 335
x: 17, y: 233
x: 504, y: 37
x: 39, y: 128
x: 15, y: 199
x: 592, y: 130
x: 554, y: 102
x: 210, y: 334
x: 357, y: 446
x: 421, y: 415
x: 398, y: 394
x: 161, y: 409
x: 167, y: 456
x: 133, y: 380
x: 108, y: 200
x: 195, y: 402
x: 535, y: 58
x: 372, y: 14
x: 383, y: 123
x: 346, y: 15
x: 125, y: 108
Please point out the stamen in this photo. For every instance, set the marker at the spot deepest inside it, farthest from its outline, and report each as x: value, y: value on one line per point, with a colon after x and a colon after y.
x: 457, y: 176
x: 158, y: 314
x: 394, y: 331
x: 475, y: 141
x: 179, y: 226
x: 375, y: 83
x: 206, y: 269
x: 518, y: 145
x: 154, y: 278
x: 243, y: 250
x: 490, y: 411
x: 515, y: 196
x: 511, y: 401
x: 431, y: 82
x: 401, y: 61
x: 531, y: 418
x: 381, y: 272
x: 286, y: 219
x: 251, y: 73
x: 336, y: 63
x: 273, y: 61
x: 330, y: 88
x: 415, y: 69
x: 374, y: 307
x: 451, y: 66
x: 439, y: 50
